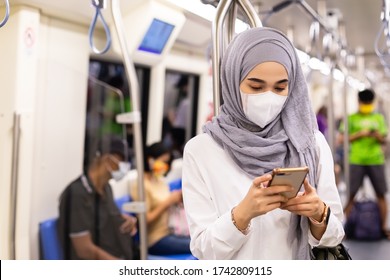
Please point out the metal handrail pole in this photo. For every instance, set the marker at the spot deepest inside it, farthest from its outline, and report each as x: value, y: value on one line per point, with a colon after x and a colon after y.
x: 254, y: 20
x: 318, y: 18
x: 14, y: 184
x: 226, y: 9
x: 134, y: 94
x: 229, y: 24
x: 346, y: 125
x: 217, y: 26
x: 330, y: 111
x: 314, y: 14
x: 346, y: 137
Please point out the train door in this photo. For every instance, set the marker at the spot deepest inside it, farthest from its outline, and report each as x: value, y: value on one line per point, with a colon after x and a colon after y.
x: 180, y: 109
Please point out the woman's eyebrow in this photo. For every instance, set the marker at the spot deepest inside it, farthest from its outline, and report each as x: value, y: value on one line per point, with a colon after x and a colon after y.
x: 264, y: 82
x: 282, y: 81
x: 256, y: 80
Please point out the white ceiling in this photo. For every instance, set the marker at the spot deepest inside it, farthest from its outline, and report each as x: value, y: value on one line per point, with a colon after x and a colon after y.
x: 361, y: 18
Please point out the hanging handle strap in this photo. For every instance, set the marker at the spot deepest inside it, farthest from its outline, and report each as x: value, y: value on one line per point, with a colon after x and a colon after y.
x: 99, y: 4
x: 6, y: 16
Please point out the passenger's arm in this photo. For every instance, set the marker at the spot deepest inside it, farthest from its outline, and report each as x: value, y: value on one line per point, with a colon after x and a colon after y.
x: 155, y: 213
x: 87, y: 250
x: 358, y: 135
x: 378, y: 136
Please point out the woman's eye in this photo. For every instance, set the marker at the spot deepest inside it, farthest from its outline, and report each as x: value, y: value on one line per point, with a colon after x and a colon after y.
x: 280, y: 89
x: 256, y: 88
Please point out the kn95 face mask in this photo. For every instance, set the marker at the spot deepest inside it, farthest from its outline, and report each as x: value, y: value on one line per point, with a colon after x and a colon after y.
x: 262, y: 108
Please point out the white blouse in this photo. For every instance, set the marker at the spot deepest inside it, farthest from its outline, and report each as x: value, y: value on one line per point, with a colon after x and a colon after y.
x: 213, y: 184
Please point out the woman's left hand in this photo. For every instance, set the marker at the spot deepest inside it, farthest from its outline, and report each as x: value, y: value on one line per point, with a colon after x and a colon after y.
x: 306, y: 203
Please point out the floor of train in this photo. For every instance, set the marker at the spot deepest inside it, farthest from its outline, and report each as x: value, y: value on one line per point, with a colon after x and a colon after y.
x: 368, y: 250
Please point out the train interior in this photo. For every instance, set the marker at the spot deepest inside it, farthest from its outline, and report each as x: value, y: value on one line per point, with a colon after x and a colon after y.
x: 59, y: 95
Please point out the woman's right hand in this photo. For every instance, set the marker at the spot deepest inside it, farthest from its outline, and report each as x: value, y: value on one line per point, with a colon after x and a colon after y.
x: 259, y: 200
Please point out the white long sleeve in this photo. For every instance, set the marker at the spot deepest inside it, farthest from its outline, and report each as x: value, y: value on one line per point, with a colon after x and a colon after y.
x: 213, y: 184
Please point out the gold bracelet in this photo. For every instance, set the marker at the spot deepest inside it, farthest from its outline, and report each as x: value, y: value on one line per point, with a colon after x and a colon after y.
x: 324, y: 218
x: 243, y: 231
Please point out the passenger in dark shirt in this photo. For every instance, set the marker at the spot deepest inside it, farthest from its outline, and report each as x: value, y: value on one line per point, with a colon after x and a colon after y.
x: 90, y: 225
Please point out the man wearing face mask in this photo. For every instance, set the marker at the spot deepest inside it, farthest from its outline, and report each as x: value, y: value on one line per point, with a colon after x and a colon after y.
x: 159, y: 199
x: 90, y: 225
x: 367, y: 131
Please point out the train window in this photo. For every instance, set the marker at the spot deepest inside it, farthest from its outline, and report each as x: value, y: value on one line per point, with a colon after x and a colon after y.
x: 180, y: 110
x: 108, y: 95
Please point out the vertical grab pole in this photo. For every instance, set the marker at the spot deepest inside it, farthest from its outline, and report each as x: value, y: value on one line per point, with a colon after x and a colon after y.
x: 346, y: 125
x: 330, y: 107
x: 134, y: 94
x: 249, y: 10
x: 218, y: 39
x: 217, y: 27
x: 14, y: 184
x: 229, y: 26
x: 346, y: 136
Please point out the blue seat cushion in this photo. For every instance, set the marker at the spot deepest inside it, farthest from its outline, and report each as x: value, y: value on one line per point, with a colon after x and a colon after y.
x: 50, y: 245
x: 172, y: 257
x: 175, y: 185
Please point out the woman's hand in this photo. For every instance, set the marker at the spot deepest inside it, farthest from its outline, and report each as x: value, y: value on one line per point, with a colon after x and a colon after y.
x: 259, y: 200
x: 306, y: 203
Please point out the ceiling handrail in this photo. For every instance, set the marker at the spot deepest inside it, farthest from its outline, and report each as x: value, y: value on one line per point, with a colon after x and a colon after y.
x: 99, y: 5
x: 384, y: 55
x: 6, y: 16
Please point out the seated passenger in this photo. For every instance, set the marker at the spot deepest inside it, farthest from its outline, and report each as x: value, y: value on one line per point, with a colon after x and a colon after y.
x: 90, y: 225
x: 159, y: 199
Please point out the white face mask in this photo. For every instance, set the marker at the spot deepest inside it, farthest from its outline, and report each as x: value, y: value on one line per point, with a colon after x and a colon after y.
x: 123, y: 168
x: 118, y: 175
x: 262, y: 108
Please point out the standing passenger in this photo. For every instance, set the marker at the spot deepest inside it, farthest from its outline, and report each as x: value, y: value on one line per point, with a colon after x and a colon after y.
x: 367, y: 132
x: 265, y: 122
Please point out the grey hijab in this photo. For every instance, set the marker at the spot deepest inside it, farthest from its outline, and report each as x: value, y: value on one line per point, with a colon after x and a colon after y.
x: 288, y: 141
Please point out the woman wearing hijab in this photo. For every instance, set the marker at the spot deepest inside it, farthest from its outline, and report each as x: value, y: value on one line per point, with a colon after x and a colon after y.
x: 265, y: 122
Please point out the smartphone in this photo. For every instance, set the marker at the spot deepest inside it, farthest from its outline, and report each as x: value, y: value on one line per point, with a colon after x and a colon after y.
x: 289, y: 176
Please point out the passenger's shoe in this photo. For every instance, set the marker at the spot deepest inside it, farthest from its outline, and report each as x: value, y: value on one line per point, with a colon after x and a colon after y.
x: 386, y: 234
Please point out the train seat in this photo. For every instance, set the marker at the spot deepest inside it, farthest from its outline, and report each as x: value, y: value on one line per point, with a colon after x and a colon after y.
x: 51, y: 248
x: 49, y: 243
x: 172, y: 257
x: 175, y: 184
